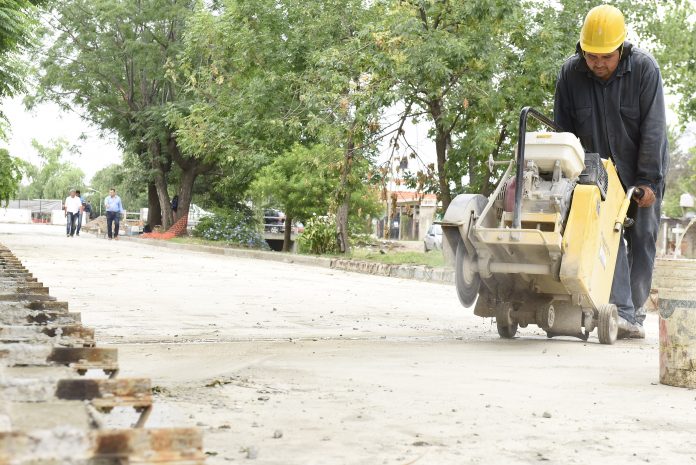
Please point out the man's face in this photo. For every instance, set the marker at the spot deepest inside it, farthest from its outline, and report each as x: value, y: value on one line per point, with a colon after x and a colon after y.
x: 603, y: 65
x: 112, y: 192
x: 72, y: 194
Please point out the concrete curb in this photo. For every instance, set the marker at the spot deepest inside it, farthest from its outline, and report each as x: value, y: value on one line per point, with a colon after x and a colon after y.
x: 662, y: 280
x: 417, y: 272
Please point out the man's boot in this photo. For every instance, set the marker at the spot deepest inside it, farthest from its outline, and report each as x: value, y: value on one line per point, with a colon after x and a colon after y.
x: 638, y: 332
x: 628, y: 330
x: 625, y: 328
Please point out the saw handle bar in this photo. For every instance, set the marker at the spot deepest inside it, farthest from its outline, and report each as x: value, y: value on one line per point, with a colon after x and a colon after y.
x: 623, y: 210
x: 519, y: 176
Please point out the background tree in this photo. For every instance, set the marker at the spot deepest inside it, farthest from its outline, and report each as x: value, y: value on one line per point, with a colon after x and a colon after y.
x: 444, y: 56
x: 344, y: 95
x: 129, y: 179
x: 674, y: 25
x: 54, y: 177
x: 18, y: 20
x: 467, y: 69
x: 10, y: 176
x: 300, y: 182
x: 114, y: 63
x: 17, y: 24
x: 239, y: 61
x: 303, y: 182
x: 254, y: 68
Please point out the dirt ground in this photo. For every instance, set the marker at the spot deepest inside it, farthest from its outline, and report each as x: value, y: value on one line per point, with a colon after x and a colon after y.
x: 289, y: 364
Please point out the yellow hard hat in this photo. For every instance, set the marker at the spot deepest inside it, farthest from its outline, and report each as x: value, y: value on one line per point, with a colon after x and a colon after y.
x: 603, y: 31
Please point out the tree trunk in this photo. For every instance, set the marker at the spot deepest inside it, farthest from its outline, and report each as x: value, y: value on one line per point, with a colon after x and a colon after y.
x: 161, y: 184
x: 287, y: 236
x: 344, y: 198
x: 154, y: 212
x: 441, y: 144
x: 190, y: 169
x: 188, y: 177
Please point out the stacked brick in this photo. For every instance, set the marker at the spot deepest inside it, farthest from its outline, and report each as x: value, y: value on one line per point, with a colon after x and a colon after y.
x: 57, y: 389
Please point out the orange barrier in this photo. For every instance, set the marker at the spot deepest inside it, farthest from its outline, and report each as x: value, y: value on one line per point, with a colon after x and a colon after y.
x: 178, y: 229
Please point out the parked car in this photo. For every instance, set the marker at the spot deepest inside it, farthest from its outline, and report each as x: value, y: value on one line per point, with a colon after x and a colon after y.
x: 273, y: 221
x: 433, y: 239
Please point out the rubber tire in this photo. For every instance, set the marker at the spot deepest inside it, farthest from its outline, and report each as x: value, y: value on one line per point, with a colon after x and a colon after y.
x: 505, y: 330
x: 467, y: 290
x: 608, y: 324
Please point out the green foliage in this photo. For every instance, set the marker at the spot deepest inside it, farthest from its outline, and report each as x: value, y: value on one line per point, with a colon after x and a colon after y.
x: 289, y: 97
x: 18, y: 20
x: 236, y: 65
x: 10, y: 176
x: 675, y: 51
x: 467, y: 68
x: 129, y: 179
x: 319, y: 236
x: 231, y: 227
x: 115, y: 63
x: 53, y: 178
x: 300, y: 181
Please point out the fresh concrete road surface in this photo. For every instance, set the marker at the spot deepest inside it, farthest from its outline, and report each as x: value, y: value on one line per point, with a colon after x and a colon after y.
x: 290, y: 364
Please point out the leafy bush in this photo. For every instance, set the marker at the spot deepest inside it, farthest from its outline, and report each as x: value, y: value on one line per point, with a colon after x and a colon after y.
x: 319, y: 236
x: 233, y: 227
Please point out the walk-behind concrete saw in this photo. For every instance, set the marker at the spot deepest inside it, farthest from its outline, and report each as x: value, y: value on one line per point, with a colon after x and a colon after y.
x: 542, y: 248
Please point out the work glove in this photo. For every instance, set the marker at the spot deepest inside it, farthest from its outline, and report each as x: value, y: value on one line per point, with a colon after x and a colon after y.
x: 647, y: 199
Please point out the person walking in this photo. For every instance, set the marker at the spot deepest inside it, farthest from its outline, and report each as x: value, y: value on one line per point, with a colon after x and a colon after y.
x: 78, y: 194
x: 175, y: 206
x: 73, y: 208
x: 609, y: 94
x: 114, y: 208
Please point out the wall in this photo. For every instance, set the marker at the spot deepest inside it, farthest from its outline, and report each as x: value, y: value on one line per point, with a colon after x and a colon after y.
x: 15, y: 215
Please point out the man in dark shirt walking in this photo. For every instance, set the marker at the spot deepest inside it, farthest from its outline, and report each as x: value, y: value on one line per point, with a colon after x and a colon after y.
x: 609, y: 94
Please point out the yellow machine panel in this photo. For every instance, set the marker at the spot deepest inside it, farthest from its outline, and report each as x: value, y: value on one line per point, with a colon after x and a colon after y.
x: 591, y: 241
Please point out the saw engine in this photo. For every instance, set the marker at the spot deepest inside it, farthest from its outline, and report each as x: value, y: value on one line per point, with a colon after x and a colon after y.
x: 542, y: 248
x: 541, y: 192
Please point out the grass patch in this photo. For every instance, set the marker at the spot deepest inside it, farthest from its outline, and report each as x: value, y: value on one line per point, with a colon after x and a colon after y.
x: 390, y: 256
x: 399, y: 257
x: 198, y: 241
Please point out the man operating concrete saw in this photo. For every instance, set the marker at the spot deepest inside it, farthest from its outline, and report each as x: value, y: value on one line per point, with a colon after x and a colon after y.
x: 609, y: 94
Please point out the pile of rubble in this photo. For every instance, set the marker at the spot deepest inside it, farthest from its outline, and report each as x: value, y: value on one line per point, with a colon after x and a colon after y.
x: 57, y: 388
x: 96, y: 225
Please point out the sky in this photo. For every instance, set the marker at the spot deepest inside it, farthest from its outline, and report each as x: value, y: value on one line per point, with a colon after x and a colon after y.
x: 47, y: 122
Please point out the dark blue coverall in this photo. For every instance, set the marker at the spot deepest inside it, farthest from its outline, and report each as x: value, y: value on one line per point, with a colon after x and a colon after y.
x: 623, y: 118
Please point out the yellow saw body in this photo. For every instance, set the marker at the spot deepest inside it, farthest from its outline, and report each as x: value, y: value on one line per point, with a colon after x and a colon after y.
x: 544, y: 254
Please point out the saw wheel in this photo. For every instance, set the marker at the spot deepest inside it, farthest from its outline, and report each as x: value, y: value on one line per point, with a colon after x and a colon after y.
x: 608, y: 324
x: 466, y: 279
x: 506, y: 327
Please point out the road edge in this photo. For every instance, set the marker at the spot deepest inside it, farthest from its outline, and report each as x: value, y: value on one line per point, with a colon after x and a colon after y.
x: 415, y: 272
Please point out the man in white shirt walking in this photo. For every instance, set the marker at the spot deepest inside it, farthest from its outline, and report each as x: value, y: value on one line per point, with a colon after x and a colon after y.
x: 73, y: 209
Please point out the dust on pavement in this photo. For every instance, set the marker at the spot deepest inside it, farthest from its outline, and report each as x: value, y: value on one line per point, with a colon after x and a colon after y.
x: 290, y: 364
